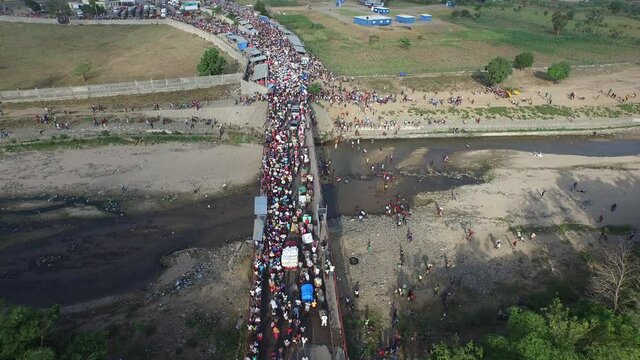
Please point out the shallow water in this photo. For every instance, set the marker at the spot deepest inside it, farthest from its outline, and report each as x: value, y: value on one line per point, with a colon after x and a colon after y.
x: 426, y: 170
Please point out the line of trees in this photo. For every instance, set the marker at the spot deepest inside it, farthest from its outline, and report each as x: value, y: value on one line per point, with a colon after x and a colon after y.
x: 499, y: 69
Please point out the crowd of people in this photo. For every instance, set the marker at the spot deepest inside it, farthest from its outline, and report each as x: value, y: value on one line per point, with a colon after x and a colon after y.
x: 280, y: 318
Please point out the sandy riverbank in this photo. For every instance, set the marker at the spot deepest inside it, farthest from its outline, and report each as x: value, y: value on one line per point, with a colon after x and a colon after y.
x: 481, y: 276
x: 524, y: 113
x: 162, y: 168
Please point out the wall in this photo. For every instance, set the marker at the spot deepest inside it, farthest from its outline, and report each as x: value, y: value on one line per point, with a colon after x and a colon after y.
x: 135, y: 87
x: 250, y: 88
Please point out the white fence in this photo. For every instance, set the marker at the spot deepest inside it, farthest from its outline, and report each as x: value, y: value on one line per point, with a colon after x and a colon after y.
x: 126, y: 88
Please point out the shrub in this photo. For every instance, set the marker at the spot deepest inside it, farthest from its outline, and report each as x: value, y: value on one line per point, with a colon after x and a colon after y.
x: 405, y: 43
x: 559, y: 71
x: 523, y: 60
x: 498, y: 70
x: 211, y: 63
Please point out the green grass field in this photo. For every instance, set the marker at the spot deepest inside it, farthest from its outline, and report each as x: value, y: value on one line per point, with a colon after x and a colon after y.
x: 38, y: 55
x: 452, y: 44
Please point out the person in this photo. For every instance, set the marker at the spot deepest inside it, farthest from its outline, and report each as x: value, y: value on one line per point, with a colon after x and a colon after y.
x: 600, y: 218
x: 409, y: 236
x: 411, y: 296
x: 469, y: 234
x: 613, y: 207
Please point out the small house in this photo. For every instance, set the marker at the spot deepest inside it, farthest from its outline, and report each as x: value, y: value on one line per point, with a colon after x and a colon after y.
x: 373, y: 20
x: 425, y: 17
x: 405, y: 19
x: 380, y: 10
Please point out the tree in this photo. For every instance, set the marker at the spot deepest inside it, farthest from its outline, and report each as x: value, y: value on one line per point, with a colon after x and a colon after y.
x: 589, y: 331
x: 595, y: 17
x: 24, y: 330
x: 92, y: 9
x: 616, y: 278
x: 559, y: 71
x: 498, y: 70
x: 33, y: 5
x: 58, y: 7
x: 211, y: 63
x: 89, y: 346
x: 456, y: 352
x: 83, y: 69
x: 616, y: 6
x: 39, y: 354
x: 552, y: 334
x: 559, y: 20
x: 315, y: 88
x: 405, y: 43
x: 523, y: 60
x: 261, y: 8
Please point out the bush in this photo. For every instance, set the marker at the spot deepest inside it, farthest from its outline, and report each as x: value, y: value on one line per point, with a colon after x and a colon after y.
x: 373, y: 39
x: 455, y: 13
x: 523, y: 60
x: 559, y: 71
x: 465, y: 13
x: 405, y: 43
x: 498, y: 70
x: 315, y: 88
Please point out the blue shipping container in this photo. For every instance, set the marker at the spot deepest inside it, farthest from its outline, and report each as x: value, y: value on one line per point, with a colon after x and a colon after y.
x: 374, y: 20
x: 405, y: 19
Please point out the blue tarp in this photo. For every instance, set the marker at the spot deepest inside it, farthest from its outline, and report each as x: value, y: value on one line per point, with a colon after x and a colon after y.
x: 306, y: 292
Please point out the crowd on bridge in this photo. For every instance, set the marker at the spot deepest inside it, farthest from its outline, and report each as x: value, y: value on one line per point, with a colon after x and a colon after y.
x: 280, y: 316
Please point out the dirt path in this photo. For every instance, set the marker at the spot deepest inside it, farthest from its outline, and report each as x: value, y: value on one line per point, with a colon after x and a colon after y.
x: 208, y: 118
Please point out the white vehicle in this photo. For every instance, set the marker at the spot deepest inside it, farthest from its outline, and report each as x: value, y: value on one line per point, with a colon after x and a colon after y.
x: 163, y: 12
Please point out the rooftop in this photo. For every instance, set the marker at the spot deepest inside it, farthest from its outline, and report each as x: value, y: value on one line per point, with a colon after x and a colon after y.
x: 373, y: 17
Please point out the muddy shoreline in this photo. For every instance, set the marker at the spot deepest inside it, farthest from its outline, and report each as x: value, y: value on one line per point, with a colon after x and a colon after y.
x: 96, y: 248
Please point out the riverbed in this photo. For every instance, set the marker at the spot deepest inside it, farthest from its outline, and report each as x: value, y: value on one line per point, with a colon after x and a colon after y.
x: 56, y: 250
x: 418, y: 165
x: 67, y: 250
